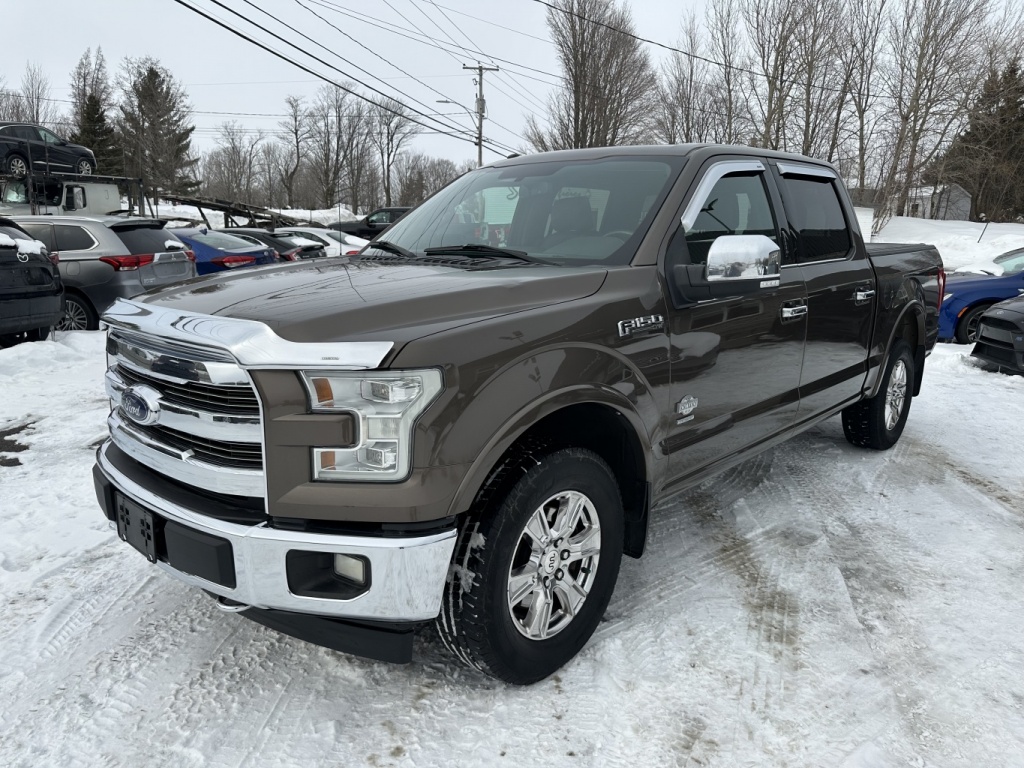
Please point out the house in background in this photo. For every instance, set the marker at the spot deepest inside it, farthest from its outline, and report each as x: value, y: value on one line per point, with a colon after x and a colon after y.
x: 949, y: 202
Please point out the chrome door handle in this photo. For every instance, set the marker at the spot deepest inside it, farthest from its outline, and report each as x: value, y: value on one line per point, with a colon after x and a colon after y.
x: 788, y: 313
x: 864, y: 294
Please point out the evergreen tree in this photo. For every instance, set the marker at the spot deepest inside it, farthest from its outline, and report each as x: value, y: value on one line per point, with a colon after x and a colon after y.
x: 155, y: 129
x: 987, y: 159
x: 98, y: 135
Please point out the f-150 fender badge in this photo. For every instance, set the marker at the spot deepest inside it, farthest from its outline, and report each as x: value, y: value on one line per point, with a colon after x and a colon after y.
x: 685, y: 409
x: 769, y: 283
x: 640, y: 325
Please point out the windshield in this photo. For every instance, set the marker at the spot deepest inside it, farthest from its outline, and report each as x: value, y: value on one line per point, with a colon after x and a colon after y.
x: 1012, y: 262
x: 564, y: 212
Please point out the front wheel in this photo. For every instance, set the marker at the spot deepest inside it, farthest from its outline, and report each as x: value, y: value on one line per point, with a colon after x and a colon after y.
x: 534, y: 569
x: 967, y: 328
x: 84, y: 167
x: 878, y: 422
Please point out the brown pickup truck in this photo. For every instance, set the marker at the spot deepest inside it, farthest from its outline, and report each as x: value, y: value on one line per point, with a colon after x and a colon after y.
x: 469, y: 423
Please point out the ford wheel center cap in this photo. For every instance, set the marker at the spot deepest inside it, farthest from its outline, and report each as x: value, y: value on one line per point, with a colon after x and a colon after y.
x: 141, y: 404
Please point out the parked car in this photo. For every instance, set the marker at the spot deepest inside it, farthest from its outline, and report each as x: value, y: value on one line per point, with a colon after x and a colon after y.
x: 31, y: 292
x: 449, y: 431
x: 288, y: 247
x: 968, y: 295
x: 24, y: 146
x: 373, y: 223
x: 1000, y: 336
x: 103, y: 258
x: 335, y: 243
x: 218, y: 251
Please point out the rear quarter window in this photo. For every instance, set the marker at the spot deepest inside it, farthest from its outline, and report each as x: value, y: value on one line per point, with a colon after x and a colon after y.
x: 73, y: 238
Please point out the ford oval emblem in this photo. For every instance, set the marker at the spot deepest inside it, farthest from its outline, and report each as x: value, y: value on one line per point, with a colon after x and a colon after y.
x: 141, y: 404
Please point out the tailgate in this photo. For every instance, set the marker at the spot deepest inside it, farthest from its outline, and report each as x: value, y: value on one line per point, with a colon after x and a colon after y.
x: 167, y: 267
x: 24, y: 275
x: 168, y: 264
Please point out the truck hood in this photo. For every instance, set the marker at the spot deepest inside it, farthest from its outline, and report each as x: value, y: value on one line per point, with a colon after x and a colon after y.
x: 333, y: 300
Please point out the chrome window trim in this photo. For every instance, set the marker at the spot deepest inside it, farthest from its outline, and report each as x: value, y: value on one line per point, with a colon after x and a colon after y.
x: 408, y: 572
x: 182, y: 465
x: 804, y: 169
x: 252, y: 343
x: 712, y: 176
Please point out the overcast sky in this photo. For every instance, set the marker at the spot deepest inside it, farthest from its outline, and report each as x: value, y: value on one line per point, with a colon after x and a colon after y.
x: 223, y: 73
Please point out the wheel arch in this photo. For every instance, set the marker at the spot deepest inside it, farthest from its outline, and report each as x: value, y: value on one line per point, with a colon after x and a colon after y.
x: 909, y: 326
x: 602, y: 421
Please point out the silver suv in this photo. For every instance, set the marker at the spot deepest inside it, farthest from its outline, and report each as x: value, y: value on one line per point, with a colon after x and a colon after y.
x: 103, y: 258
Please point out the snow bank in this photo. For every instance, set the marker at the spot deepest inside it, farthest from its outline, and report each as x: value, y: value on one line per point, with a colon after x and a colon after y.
x: 191, y: 213
x: 957, y: 241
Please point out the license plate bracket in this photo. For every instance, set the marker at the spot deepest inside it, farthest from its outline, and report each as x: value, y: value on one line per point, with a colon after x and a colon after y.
x: 137, y: 526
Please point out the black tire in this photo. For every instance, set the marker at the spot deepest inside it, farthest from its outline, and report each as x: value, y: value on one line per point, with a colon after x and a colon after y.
x: 967, y: 328
x: 17, y: 165
x: 78, y: 315
x: 870, y: 423
x: 84, y: 167
x: 477, y: 623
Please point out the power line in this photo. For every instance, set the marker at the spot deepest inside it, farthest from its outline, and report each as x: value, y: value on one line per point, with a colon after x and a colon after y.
x: 209, y: 17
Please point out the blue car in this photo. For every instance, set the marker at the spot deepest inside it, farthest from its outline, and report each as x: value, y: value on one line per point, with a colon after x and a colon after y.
x: 969, y: 295
x: 217, y: 251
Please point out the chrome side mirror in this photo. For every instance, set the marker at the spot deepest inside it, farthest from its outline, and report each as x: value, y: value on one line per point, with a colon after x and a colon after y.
x: 743, y: 257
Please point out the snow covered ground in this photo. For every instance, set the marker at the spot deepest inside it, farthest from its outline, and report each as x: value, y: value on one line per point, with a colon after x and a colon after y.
x: 817, y: 606
x: 191, y: 213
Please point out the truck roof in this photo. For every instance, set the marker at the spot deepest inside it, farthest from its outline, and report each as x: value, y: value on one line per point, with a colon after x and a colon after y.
x: 654, y: 150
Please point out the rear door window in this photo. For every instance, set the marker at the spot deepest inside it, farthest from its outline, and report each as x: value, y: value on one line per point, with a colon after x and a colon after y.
x: 139, y: 240
x: 814, y: 211
x: 73, y: 238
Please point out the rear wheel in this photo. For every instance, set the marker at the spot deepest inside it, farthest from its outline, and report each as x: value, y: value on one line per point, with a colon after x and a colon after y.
x: 534, y: 570
x: 967, y: 328
x: 879, y: 421
x: 78, y: 315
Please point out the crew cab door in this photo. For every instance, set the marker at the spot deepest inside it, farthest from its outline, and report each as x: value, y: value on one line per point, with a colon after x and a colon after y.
x: 823, y: 248
x: 736, y: 344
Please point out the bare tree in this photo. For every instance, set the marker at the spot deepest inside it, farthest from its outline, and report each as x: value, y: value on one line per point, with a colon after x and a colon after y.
x: 725, y: 43
x: 232, y: 169
x: 609, y: 84
x: 390, y: 130
x: 36, y: 104
x: 686, y: 110
x: 418, y: 176
x: 936, y: 64
x: 862, y: 52
x: 773, y: 27
x: 296, y: 132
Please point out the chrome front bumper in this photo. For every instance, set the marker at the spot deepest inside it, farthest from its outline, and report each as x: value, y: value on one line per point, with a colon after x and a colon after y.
x: 408, y: 574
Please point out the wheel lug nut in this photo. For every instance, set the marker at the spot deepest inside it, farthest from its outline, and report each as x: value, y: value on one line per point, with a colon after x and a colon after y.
x: 559, y: 574
x: 565, y: 554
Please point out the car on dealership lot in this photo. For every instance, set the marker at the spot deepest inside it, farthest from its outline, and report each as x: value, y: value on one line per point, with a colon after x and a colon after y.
x: 1000, y: 337
x: 220, y: 251
x: 27, y: 147
x: 288, y: 247
x: 31, y: 292
x: 373, y: 223
x: 334, y: 242
x: 968, y: 295
x: 103, y: 258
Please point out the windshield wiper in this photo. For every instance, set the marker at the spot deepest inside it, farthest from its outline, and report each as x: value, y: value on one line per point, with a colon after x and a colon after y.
x: 384, y: 245
x: 483, y: 251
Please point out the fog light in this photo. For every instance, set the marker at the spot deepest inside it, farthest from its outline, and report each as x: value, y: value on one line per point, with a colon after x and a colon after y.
x: 351, y: 568
x: 383, y: 457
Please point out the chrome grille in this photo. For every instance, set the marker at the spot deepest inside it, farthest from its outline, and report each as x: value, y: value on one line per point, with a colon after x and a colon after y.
x: 223, y: 453
x: 206, y: 397
x: 187, y: 413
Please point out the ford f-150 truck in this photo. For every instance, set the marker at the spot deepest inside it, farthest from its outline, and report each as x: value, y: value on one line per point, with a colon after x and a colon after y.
x: 469, y: 425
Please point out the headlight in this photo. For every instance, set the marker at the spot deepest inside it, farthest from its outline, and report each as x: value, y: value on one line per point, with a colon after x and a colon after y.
x: 947, y: 297
x: 385, y: 404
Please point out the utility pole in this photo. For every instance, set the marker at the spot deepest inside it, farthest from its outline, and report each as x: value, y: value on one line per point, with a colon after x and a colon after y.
x: 481, y: 106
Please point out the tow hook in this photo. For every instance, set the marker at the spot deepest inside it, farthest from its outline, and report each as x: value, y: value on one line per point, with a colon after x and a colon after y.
x: 230, y: 606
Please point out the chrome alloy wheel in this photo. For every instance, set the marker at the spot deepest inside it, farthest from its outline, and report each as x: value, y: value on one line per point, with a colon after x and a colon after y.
x: 17, y: 166
x: 895, y: 394
x: 75, y: 317
x: 554, y: 565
